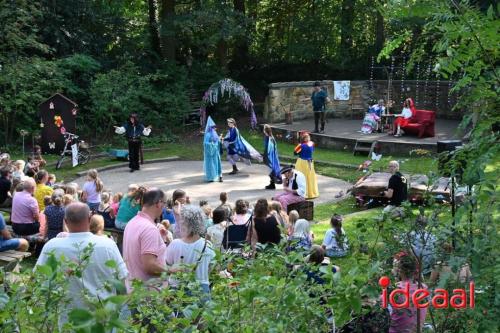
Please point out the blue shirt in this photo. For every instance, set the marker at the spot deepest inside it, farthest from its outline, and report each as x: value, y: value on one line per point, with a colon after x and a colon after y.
x: 318, y: 99
x: 305, y: 150
x: 168, y: 214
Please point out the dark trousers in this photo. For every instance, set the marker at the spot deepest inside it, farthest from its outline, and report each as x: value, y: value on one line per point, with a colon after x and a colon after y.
x: 134, y: 147
x: 26, y: 229
x: 319, y: 115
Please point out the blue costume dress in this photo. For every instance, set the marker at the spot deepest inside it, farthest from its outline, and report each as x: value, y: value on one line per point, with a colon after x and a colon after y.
x: 237, y: 148
x: 271, y: 159
x: 212, y: 165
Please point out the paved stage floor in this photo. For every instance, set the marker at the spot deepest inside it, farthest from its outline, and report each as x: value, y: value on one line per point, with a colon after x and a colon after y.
x: 188, y: 175
x: 349, y: 129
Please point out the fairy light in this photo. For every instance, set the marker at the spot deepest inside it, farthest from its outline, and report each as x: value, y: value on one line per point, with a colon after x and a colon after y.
x: 418, y: 78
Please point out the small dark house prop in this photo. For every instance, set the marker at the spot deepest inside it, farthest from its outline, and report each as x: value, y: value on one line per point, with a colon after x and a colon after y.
x: 57, y: 116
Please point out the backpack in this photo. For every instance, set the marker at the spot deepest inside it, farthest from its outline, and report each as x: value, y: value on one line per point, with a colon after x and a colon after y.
x: 235, y: 235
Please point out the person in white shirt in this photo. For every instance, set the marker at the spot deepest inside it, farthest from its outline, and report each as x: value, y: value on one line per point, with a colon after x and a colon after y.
x: 215, y: 233
x: 133, y: 130
x: 294, y: 187
x: 95, y: 273
x: 403, y: 118
x: 192, y: 249
x: 335, y: 242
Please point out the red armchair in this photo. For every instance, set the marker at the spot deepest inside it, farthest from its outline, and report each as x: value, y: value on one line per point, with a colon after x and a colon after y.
x: 421, y: 124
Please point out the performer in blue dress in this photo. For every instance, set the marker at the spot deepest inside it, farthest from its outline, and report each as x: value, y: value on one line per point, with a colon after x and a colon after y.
x: 212, y: 165
x: 271, y: 158
x: 237, y: 147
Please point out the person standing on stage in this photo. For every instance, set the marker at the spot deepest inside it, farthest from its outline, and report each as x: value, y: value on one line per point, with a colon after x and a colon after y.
x: 305, y: 164
x: 212, y: 165
x: 319, y: 98
x: 237, y: 147
x: 294, y: 187
x: 271, y: 157
x: 133, y: 130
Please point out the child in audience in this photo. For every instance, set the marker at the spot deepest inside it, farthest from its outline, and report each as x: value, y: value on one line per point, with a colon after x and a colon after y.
x: 52, y: 180
x: 225, y: 204
x: 115, y: 203
x: 279, y: 214
x: 215, y: 233
x: 97, y: 225
x: 335, y: 242
x: 207, y: 210
x: 165, y: 232
x: 92, y: 189
x: 67, y: 199
x: 302, y: 237
x: 72, y: 189
x: 54, y: 214
x: 293, y: 216
x: 18, y: 170
x: 105, y: 210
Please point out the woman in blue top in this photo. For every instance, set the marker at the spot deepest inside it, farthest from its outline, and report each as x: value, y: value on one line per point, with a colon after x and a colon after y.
x: 271, y: 157
x: 305, y: 164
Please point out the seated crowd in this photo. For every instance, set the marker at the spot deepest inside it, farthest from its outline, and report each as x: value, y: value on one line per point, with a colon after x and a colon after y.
x: 161, y: 234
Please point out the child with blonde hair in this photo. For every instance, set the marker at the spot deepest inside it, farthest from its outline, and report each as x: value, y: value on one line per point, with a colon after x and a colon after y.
x: 293, y: 216
x: 97, y: 225
x: 92, y: 189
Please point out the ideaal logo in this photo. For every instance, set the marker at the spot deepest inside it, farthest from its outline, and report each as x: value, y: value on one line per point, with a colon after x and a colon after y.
x: 419, y: 297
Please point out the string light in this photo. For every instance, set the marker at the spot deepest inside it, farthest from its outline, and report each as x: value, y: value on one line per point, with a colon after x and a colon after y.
x: 418, y: 77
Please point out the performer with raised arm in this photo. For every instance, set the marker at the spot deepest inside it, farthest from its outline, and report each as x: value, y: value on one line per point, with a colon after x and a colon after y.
x: 237, y: 147
x: 212, y: 165
x: 271, y: 157
x: 133, y: 130
x: 403, y: 118
x: 305, y: 164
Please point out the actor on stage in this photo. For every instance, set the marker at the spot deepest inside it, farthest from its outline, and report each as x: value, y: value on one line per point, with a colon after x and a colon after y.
x: 237, y: 147
x: 305, y: 165
x: 371, y: 121
x: 133, y: 131
x: 271, y: 157
x: 404, y: 117
x: 212, y: 165
x: 319, y: 98
x: 294, y: 187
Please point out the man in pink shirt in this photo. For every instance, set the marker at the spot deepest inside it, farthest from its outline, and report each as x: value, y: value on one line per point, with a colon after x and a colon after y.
x: 143, y: 248
x: 25, y: 218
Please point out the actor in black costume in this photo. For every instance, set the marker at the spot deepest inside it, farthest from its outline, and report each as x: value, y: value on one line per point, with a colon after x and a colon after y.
x: 133, y: 130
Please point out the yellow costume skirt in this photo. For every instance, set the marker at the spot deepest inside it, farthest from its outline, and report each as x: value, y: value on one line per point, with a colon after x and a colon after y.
x: 307, y: 168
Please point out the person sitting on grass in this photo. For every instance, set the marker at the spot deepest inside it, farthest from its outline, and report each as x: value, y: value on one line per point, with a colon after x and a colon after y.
x: 335, y: 242
x: 293, y: 217
x: 215, y: 233
x: 241, y: 212
x: 302, y: 237
x: 265, y: 228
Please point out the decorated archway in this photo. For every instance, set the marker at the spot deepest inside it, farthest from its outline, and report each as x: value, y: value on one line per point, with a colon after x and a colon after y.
x: 218, y: 89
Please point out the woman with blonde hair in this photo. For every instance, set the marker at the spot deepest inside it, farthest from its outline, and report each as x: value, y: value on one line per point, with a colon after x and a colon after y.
x: 237, y: 147
x: 92, y: 188
x: 305, y: 164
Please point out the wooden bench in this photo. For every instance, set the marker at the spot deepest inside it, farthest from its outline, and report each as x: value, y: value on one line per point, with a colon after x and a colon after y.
x: 11, y: 258
x: 304, y: 208
x: 117, y: 235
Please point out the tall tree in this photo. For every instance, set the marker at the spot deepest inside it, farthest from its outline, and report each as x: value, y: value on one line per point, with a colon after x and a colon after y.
x: 241, y: 47
x: 346, y: 30
x: 154, y: 34
x: 167, y: 33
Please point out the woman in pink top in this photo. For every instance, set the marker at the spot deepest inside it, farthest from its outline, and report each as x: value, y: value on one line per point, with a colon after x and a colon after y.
x: 241, y: 215
x: 405, y: 320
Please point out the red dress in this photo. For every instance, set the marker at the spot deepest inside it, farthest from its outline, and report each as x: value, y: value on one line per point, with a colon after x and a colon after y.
x: 404, y: 121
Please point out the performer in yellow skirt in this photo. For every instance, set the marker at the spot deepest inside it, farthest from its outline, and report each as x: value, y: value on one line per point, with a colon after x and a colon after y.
x: 305, y: 164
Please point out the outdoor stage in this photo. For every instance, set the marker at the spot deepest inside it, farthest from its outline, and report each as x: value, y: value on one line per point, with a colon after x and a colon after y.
x: 343, y: 134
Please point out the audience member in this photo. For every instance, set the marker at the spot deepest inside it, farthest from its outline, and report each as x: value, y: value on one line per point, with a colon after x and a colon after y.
x: 96, y: 271
x: 72, y: 189
x: 67, y: 199
x: 215, y: 233
x: 279, y: 214
x: 207, y: 216
x: 241, y: 213
x: 54, y: 215
x: 225, y: 204
x: 25, y: 210
x: 335, y: 242
x: 265, y: 228
x: 293, y: 216
x: 397, y: 190
x: 5, y: 187
x: 18, y: 172
x: 97, y: 225
x: 423, y: 244
x: 179, y: 199
x: 405, y: 320
x: 302, y: 237
x: 144, y: 250
x: 115, y: 204
x: 9, y: 243
x: 191, y: 249
x: 42, y: 189
x: 444, y: 270
x: 130, y: 205
x: 105, y: 210
x: 52, y: 180
x: 37, y: 156
x: 92, y: 189
x: 168, y: 212
x: 165, y: 232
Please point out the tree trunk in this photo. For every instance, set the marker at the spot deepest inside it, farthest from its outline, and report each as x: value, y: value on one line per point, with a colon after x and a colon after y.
x: 379, y: 33
x: 167, y: 33
x: 240, y: 53
x: 153, y: 27
x: 346, y: 24
x: 222, y: 54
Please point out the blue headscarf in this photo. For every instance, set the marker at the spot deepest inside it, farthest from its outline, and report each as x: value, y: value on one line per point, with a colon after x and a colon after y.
x: 210, y: 132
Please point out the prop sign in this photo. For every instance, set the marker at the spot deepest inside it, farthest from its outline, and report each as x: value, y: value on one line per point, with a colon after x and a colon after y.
x: 232, y: 88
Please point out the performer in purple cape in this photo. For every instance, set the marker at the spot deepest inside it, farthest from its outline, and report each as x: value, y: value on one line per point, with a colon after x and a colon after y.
x: 237, y: 147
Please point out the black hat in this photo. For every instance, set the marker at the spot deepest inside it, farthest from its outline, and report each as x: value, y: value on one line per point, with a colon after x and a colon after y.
x: 286, y: 169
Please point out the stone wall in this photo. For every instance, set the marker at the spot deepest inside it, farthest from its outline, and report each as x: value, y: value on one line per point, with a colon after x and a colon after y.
x: 291, y: 97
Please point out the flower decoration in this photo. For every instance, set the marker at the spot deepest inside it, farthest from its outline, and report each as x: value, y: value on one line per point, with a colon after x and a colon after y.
x: 58, y: 121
